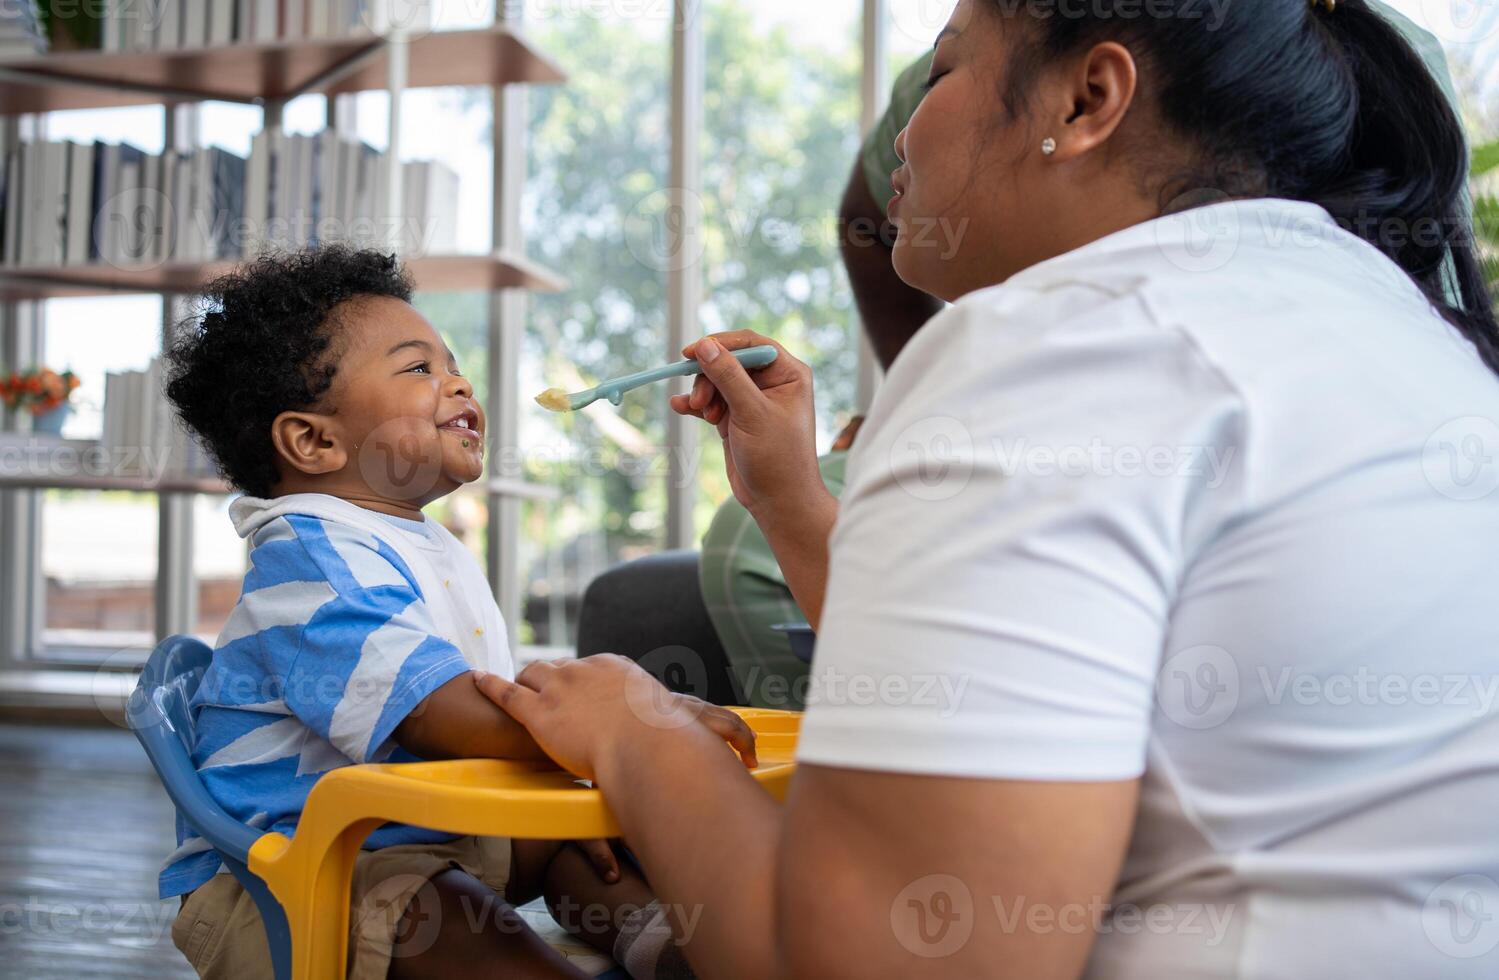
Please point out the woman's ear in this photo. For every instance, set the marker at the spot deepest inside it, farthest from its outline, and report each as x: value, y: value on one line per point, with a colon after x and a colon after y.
x: 308, y: 443
x: 1100, y: 90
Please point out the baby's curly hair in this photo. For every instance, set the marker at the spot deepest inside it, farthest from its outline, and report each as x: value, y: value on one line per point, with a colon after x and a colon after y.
x: 262, y: 348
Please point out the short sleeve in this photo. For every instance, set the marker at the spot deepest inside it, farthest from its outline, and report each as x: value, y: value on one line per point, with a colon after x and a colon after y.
x: 1031, y: 483
x: 877, y: 157
x: 368, y: 654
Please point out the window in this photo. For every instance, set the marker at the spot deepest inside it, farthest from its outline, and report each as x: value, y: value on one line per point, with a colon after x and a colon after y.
x: 598, y: 153
x: 98, y: 549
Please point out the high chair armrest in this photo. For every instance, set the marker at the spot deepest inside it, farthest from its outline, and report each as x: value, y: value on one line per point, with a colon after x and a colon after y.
x: 310, y: 873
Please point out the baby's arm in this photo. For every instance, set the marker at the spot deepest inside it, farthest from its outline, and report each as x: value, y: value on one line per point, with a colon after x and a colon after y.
x: 456, y: 721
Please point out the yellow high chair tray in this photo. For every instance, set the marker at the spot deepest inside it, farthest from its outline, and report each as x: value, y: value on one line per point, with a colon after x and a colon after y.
x: 310, y: 873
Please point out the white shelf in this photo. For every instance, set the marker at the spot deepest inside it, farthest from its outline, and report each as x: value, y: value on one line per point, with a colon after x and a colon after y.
x: 29, y: 461
x: 256, y: 73
x: 432, y: 273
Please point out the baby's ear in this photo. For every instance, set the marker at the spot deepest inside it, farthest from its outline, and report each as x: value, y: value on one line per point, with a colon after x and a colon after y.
x: 308, y: 443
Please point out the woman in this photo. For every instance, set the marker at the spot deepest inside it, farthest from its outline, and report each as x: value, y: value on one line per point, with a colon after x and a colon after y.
x: 1154, y: 622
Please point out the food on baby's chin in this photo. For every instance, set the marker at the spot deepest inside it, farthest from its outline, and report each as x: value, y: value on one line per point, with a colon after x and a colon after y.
x: 554, y: 400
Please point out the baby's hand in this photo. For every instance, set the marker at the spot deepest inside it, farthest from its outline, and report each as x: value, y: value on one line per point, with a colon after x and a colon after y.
x: 601, y: 856
x: 726, y: 725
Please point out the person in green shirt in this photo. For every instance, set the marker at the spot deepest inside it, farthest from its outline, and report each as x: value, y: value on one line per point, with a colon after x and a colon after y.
x: 742, y: 584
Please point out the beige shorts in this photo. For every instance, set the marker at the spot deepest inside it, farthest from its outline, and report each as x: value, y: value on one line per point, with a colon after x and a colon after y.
x: 219, y: 929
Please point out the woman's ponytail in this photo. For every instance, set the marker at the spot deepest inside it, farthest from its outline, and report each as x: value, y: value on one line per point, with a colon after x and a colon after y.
x: 1403, y: 184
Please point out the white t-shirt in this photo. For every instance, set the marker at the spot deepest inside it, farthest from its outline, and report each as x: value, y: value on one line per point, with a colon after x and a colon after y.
x: 452, y: 585
x: 1215, y: 501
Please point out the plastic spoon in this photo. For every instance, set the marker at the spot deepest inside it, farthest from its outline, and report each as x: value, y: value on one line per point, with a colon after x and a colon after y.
x: 557, y: 400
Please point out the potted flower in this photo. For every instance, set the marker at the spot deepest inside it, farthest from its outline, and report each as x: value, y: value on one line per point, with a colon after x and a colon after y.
x: 44, y: 393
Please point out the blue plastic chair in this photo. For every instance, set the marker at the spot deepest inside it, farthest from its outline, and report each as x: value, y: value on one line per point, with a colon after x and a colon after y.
x: 158, y: 715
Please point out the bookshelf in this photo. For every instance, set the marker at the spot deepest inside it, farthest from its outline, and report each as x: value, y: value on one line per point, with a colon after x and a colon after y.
x: 30, y: 463
x: 431, y: 272
x: 267, y: 75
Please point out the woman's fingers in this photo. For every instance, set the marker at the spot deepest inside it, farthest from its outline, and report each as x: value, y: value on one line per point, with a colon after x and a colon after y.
x: 783, y: 370
x: 732, y: 729
x: 602, y: 857
x: 735, y: 386
x: 733, y: 340
x: 702, y: 392
x: 516, y: 701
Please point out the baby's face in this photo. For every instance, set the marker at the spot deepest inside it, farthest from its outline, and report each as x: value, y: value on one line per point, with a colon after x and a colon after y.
x: 414, y: 431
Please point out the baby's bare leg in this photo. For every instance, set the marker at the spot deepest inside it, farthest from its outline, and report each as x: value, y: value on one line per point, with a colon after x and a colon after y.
x: 529, y: 862
x: 586, y: 905
x: 478, y: 935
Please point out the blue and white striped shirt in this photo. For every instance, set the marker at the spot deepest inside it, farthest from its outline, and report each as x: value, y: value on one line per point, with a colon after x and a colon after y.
x: 330, y: 647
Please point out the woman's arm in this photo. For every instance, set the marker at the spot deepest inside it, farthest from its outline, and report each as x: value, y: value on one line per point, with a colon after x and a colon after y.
x: 861, y: 874
x: 770, y: 451
x: 798, y: 534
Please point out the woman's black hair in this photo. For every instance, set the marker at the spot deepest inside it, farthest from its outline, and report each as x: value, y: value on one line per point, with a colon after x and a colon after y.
x: 1290, y: 99
x: 263, y: 347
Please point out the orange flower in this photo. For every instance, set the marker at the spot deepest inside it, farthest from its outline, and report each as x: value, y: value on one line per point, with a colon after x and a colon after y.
x: 40, y: 390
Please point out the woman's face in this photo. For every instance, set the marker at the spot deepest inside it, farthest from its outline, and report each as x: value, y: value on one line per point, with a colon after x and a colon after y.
x: 956, y: 185
x: 976, y: 199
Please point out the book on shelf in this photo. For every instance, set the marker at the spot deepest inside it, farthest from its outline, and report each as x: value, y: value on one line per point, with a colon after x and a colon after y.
x: 20, y: 33
x: 69, y: 204
x: 141, y: 435
x: 167, y: 25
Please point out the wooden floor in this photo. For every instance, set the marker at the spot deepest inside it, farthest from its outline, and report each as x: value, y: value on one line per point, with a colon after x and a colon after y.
x: 84, y: 826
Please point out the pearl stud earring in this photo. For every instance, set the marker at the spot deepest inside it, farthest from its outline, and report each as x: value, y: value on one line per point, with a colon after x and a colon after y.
x: 1048, y: 146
